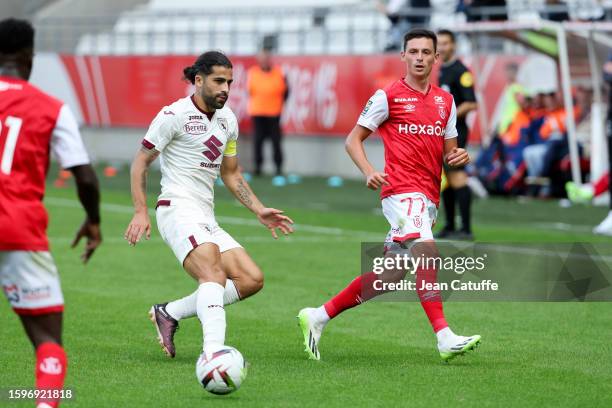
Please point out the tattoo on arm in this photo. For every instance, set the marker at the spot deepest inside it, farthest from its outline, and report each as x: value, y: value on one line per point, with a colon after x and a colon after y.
x: 243, y: 193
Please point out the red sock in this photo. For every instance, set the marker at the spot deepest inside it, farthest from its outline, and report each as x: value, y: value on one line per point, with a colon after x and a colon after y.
x: 601, y: 185
x: 430, y: 299
x: 358, y: 291
x: 51, y: 364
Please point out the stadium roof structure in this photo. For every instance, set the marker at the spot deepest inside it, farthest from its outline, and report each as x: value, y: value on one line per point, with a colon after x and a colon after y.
x: 585, y: 44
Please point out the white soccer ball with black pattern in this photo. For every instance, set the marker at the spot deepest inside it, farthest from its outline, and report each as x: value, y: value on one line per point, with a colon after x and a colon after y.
x: 221, y: 370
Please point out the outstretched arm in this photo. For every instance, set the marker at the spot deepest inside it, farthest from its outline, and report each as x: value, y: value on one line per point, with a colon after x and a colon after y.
x: 354, y: 147
x: 271, y: 218
x: 141, y: 223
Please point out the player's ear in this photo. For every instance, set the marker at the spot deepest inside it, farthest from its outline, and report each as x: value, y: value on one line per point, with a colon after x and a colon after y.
x: 199, y: 80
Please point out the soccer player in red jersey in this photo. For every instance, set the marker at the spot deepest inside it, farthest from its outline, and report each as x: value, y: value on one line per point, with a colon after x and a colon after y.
x: 32, y: 124
x: 416, y: 121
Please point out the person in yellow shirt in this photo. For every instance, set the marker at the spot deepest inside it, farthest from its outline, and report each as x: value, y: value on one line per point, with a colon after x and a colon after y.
x: 268, y: 90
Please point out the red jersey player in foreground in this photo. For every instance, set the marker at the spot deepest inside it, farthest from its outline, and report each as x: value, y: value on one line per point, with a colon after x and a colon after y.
x: 417, y: 123
x: 196, y: 138
x: 32, y: 124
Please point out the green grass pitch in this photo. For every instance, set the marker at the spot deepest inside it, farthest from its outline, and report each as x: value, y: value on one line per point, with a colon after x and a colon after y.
x: 378, y: 355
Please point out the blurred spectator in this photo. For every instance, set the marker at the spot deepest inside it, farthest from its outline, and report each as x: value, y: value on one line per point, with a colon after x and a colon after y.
x: 557, y: 14
x: 402, y: 20
x: 550, y: 147
x: 511, y: 99
x: 476, y: 10
x: 268, y: 90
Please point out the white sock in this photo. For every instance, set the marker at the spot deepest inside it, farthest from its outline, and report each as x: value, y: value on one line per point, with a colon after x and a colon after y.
x: 186, y: 307
x: 321, y: 315
x: 211, y: 313
x: 230, y: 294
x: 444, y: 335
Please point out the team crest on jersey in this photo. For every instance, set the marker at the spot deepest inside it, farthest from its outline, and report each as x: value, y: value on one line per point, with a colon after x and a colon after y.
x: 442, y: 112
x: 409, y: 108
x: 366, y: 108
x: 439, y: 100
x: 223, y: 124
x: 195, y: 128
x: 418, y: 221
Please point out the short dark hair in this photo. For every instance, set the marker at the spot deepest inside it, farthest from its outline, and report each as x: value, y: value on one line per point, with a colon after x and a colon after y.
x: 16, y: 36
x: 447, y: 32
x: 205, y: 63
x: 421, y: 33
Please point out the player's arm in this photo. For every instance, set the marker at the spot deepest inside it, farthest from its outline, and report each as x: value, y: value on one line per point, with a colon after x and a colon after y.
x: 373, y: 115
x: 141, y: 222
x: 453, y: 155
x: 271, y: 218
x: 355, y: 149
x: 88, y: 191
x: 68, y: 147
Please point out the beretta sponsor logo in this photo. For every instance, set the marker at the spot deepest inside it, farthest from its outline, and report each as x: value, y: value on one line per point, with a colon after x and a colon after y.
x: 195, y: 128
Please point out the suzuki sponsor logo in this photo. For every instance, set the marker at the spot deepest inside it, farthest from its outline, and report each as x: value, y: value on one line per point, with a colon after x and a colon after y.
x: 404, y: 100
x: 422, y: 130
x: 195, y: 128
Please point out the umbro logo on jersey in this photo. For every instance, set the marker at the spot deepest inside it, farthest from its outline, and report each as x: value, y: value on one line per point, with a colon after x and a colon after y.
x: 439, y: 100
x: 195, y: 128
x: 409, y: 108
x: 403, y: 100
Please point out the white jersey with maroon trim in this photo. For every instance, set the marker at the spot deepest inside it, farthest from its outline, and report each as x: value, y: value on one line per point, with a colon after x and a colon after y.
x: 192, y: 147
x: 413, y: 126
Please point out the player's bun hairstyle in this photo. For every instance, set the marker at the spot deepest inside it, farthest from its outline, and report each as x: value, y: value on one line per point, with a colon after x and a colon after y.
x: 16, y: 36
x: 205, y: 63
x: 448, y: 33
x: 421, y: 33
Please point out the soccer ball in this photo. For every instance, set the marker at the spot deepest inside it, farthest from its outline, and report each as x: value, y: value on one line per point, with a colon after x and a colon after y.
x: 221, y: 370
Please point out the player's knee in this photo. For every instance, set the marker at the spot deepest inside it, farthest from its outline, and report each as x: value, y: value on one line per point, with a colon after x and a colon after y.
x: 256, y: 280
x: 252, y: 282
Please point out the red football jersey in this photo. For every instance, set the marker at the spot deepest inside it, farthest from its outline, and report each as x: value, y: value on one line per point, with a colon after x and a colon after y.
x: 413, y: 126
x: 32, y: 124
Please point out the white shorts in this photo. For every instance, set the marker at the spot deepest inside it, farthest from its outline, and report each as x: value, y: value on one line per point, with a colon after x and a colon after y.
x: 411, y: 216
x: 183, y: 225
x: 30, y: 282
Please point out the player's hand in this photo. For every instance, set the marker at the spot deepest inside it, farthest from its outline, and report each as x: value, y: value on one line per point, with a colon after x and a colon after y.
x: 272, y: 219
x: 376, y: 179
x: 457, y: 157
x: 94, y: 238
x: 139, y: 226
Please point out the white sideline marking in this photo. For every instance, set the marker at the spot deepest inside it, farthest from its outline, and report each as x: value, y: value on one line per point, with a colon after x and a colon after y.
x: 338, y: 232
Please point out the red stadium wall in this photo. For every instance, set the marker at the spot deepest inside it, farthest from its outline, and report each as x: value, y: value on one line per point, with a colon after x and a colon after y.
x: 327, y: 92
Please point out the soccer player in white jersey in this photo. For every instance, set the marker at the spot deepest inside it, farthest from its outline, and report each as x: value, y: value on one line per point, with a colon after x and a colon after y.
x: 196, y: 139
x: 416, y: 121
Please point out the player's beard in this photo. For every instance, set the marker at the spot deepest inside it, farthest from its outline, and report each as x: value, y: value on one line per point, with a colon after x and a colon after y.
x: 212, y: 102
